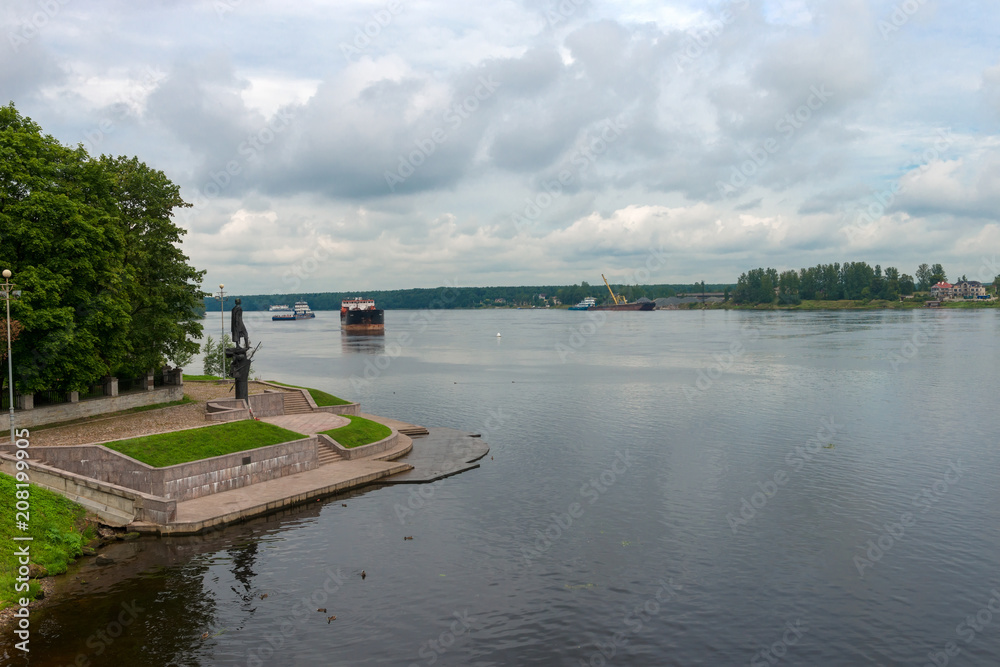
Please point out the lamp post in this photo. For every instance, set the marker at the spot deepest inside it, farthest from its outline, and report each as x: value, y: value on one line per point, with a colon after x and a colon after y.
x: 10, y: 360
x: 222, y: 321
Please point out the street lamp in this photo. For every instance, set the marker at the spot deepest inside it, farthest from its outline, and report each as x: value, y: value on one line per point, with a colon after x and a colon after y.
x: 10, y: 360
x: 222, y: 321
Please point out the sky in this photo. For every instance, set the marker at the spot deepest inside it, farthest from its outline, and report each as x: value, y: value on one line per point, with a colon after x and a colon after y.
x: 352, y: 145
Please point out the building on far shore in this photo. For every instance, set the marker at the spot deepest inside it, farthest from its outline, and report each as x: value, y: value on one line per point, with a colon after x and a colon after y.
x: 963, y: 289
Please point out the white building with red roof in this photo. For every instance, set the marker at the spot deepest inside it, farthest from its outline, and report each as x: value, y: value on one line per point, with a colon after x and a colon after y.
x: 943, y: 290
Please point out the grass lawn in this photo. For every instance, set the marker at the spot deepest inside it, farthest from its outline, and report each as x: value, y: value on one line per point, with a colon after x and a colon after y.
x: 359, y: 432
x: 54, y: 523
x: 321, y: 397
x: 167, y: 449
x: 201, y: 378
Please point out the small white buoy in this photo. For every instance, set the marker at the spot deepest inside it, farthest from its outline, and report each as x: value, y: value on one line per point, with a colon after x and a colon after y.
x: 498, y: 334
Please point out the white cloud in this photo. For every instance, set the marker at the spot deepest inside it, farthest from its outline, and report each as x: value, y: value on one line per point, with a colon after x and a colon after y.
x: 700, y: 97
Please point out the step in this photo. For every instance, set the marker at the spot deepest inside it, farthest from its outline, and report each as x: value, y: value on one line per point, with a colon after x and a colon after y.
x: 325, y: 454
x: 295, y: 403
x: 416, y: 430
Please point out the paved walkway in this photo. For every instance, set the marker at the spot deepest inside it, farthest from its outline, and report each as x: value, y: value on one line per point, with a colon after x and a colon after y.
x: 220, y: 509
x: 312, y: 423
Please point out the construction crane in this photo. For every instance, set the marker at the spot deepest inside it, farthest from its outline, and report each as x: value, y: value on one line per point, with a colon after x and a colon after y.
x: 613, y: 297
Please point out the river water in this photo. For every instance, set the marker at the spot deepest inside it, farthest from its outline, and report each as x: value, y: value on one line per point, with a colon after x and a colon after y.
x: 665, y: 488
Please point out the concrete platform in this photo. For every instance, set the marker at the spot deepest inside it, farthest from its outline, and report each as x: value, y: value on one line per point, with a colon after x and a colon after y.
x: 441, y: 453
x: 221, y: 509
x: 311, y: 423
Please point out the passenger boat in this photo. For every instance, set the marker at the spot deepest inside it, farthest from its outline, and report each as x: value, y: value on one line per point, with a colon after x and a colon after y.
x: 300, y: 312
x: 586, y: 304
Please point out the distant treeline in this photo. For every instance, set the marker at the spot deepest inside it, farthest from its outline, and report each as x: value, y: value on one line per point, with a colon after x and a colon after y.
x: 465, y: 297
x: 833, y: 282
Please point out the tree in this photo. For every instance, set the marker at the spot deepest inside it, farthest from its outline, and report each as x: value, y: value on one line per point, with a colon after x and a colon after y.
x: 906, y: 285
x: 937, y: 274
x: 105, y: 290
x: 924, y: 277
x: 212, y: 362
x: 62, y: 241
x: 163, y: 289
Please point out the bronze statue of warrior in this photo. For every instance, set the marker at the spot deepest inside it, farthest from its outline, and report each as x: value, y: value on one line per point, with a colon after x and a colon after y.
x: 237, y: 329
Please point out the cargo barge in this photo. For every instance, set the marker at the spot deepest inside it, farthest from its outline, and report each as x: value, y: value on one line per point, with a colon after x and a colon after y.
x: 360, y: 316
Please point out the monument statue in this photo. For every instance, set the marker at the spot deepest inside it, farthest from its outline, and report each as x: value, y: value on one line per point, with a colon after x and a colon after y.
x: 239, y: 367
x: 236, y: 328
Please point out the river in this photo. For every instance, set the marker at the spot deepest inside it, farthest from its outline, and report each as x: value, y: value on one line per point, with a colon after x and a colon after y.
x: 664, y: 488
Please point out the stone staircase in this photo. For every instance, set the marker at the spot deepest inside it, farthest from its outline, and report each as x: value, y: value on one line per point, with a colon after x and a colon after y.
x: 326, y: 454
x: 295, y: 403
x: 415, y: 431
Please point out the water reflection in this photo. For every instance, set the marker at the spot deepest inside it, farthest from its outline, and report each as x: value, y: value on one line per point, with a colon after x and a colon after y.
x: 368, y: 343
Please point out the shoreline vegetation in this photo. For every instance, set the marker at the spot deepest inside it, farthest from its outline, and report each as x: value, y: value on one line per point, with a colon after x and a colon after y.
x: 60, y: 530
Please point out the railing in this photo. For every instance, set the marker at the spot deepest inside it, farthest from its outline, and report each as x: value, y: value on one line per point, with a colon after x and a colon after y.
x: 158, y: 380
x: 49, y: 398
x: 93, y: 391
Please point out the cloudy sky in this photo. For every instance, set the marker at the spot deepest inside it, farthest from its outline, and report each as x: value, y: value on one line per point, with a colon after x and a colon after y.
x: 355, y: 145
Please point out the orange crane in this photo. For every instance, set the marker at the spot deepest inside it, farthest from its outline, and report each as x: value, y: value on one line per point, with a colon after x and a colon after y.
x: 613, y: 297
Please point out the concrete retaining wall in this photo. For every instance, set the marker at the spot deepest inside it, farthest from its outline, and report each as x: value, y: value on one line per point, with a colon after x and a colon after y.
x: 226, y: 410
x: 102, y: 464
x: 184, y: 481
x: 51, y: 414
x: 188, y: 481
x: 115, y: 505
x: 364, y: 451
x: 268, y: 404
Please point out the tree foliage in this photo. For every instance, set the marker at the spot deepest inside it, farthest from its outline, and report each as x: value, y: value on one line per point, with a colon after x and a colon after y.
x: 830, y: 282
x: 83, y: 257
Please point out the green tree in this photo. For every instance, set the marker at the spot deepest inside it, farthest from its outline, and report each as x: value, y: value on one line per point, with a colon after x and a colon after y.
x: 906, y: 285
x: 90, y: 242
x: 163, y: 289
x: 923, y: 275
x: 938, y: 274
x: 60, y: 236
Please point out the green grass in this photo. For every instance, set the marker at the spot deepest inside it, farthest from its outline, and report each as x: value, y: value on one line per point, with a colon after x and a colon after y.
x: 167, y: 449
x: 321, y: 397
x: 201, y: 378
x: 359, y: 432
x: 54, y: 522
